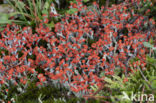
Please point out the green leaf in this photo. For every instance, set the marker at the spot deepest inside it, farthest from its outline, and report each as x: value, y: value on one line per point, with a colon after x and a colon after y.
x: 102, y: 74
x: 51, y: 25
x: 44, y: 11
x: 151, y: 60
x: 85, y: 1
x: 72, y: 11
x: 4, y: 18
x: 118, y: 78
x: 46, y: 6
x: 146, y: 44
x: 21, y: 4
x: 153, y: 85
x: 94, y: 87
x: 108, y: 80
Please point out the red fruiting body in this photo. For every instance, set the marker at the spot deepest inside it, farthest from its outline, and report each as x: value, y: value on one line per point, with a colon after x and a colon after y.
x: 82, y: 46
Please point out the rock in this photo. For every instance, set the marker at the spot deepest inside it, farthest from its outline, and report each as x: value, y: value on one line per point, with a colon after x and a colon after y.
x: 6, y: 1
x: 6, y: 13
x: 6, y: 8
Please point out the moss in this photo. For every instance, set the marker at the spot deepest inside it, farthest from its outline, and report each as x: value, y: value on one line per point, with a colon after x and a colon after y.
x: 12, y: 91
x: 20, y: 54
x: 5, y: 51
x: 90, y: 41
x: 33, y: 57
x: 152, y: 13
x: 42, y: 43
x: 40, y: 70
x: 48, y: 93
